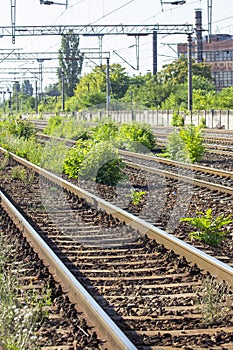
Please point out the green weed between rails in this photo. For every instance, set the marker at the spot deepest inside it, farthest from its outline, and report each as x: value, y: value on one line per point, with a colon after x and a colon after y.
x: 18, y: 173
x: 136, y: 196
x: 4, y: 163
x: 214, y: 301
x: 209, y: 229
x: 22, y: 312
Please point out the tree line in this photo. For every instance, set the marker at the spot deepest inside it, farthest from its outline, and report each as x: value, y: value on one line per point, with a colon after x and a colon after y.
x: 165, y: 90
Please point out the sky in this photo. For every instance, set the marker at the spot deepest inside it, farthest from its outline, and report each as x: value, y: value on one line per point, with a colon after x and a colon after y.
x: 122, y: 49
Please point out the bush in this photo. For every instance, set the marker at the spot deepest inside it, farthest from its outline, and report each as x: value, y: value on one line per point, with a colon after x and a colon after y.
x: 69, y: 128
x: 177, y: 119
x: 75, y: 158
x: 105, y: 131
x: 20, y: 128
x: 52, y: 125
x: 97, y: 162
x: 186, y: 145
x: 135, y: 135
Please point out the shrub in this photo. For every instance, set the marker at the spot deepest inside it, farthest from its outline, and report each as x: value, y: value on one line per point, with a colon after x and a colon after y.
x: 94, y: 161
x: 20, y: 128
x: 186, y: 145
x: 135, y: 135
x: 105, y: 131
x: 176, y: 148
x: 69, y: 128
x: 177, y: 119
x: 75, y: 157
x: 102, y: 164
x: 52, y: 124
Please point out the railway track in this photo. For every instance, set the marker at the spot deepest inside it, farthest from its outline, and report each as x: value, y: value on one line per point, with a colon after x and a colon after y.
x: 53, y: 322
x: 146, y: 284
x: 165, y: 166
x: 173, y: 190
x: 221, y: 146
x: 218, y: 176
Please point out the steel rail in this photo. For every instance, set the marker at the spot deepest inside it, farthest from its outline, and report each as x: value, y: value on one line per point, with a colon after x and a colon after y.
x: 180, y: 164
x: 222, y: 153
x: 192, y: 254
x: 194, y: 182
x: 153, y: 158
x: 77, y: 293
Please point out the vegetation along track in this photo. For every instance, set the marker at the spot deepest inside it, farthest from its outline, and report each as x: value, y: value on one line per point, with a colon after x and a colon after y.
x: 145, y: 283
x: 218, y: 142
x: 203, y: 175
x: 173, y: 190
x: 215, y: 141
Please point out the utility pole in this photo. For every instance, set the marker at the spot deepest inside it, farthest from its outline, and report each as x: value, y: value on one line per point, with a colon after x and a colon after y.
x: 36, y: 98
x: 209, y: 5
x: 13, y: 19
x: 40, y: 61
x: 190, y: 93
x: 62, y: 92
x: 107, y: 88
x: 10, y: 102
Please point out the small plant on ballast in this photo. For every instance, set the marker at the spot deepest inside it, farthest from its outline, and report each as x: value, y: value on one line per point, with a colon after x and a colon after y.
x: 18, y: 173
x: 209, y: 229
x: 213, y: 300
x: 136, y: 196
x: 4, y: 163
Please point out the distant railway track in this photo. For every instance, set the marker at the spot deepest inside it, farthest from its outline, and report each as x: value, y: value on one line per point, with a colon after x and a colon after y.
x: 193, y: 171
x: 163, y: 165
x: 147, y: 285
x: 216, y: 141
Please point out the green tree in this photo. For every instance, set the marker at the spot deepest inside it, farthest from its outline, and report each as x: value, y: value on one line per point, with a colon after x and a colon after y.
x: 52, y: 90
x: 177, y: 71
x: 119, y: 81
x: 201, y: 87
x: 70, y: 62
x: 224, y: 99
x: 26, y: 88
x: 145, y: 92
x: 91, y: 90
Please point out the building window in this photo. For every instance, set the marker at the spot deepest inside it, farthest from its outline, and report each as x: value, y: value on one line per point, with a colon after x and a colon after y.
x: 208, y: 56
x: 220, y: 57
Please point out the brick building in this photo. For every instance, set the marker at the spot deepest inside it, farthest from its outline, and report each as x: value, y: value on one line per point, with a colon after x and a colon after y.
x: 218, y: 54
x: 216, y: 51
